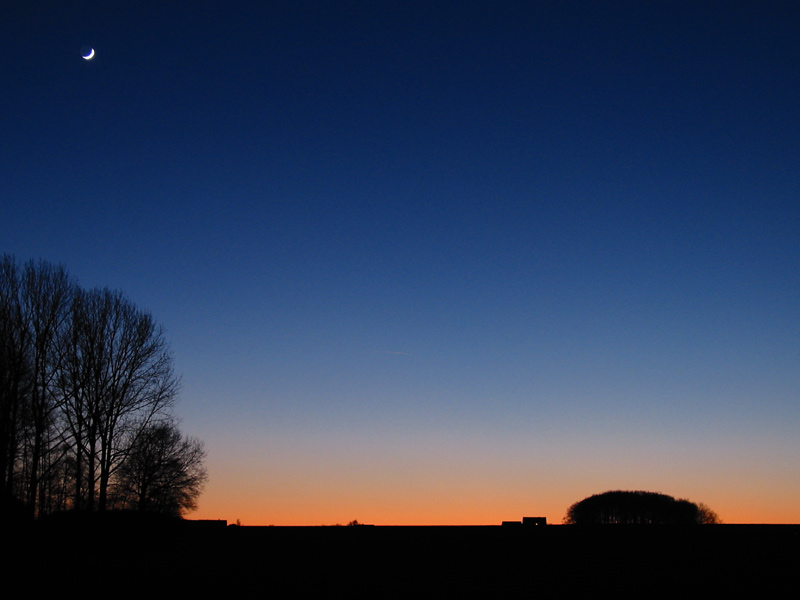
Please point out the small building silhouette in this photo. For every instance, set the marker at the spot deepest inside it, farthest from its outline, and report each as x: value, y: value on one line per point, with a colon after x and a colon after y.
x: 526, y: 521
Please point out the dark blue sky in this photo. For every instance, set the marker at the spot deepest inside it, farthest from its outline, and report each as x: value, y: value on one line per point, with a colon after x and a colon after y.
x: 561, y: 237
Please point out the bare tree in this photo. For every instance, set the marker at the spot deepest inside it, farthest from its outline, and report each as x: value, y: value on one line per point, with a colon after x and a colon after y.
x: 35, y: 309
x: 706, y: 516
x: 118, y: 379
x: 47, y: 292
x: 14, y: 375
x: 163, y: 472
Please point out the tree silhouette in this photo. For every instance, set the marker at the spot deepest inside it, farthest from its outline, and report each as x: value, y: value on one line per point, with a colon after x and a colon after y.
x: 706, y: 516
x: 84, y: 378
x: 163, y: 471
x: 637, y: 508
x: 34, y: 311
x: 117, y: 380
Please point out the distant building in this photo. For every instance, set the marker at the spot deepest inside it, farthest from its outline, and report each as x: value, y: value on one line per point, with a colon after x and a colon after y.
x: 526, y: 521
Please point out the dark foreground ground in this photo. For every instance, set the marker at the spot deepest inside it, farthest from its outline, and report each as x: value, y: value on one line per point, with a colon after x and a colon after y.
x: 135, y: 560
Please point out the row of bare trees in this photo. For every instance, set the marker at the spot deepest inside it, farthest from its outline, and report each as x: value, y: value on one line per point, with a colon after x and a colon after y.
x: 86, y: 395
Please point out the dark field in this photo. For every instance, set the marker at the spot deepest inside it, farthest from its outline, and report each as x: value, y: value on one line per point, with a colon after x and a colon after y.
x: 151, y: 560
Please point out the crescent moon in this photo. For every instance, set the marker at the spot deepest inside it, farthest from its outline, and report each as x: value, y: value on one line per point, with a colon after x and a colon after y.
x: 89, y: 56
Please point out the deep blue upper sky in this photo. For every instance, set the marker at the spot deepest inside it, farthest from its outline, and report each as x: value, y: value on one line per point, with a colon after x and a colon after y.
x: 417, y: 217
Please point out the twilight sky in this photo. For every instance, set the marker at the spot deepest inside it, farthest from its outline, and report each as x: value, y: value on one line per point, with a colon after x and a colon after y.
x: 435, y: 262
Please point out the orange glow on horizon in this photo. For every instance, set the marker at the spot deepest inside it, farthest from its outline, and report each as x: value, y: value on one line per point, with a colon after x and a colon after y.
x: 471, y: 484
x: 445, y: 514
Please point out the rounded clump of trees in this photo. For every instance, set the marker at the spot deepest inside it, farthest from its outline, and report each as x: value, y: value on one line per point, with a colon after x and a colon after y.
x: 638, y: 508
x: 87, y: 390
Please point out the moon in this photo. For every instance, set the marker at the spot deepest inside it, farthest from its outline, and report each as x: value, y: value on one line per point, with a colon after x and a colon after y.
x: 88, y: 55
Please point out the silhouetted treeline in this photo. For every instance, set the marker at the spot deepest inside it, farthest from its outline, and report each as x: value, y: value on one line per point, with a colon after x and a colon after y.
x: 86, y: 395
x: 638, y: 508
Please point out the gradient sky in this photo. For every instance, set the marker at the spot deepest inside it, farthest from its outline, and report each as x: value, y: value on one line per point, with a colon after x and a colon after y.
x: 435, y: 262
